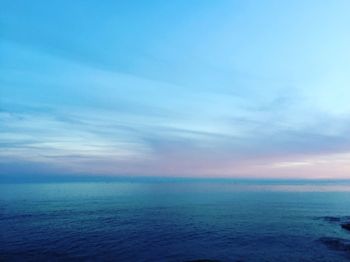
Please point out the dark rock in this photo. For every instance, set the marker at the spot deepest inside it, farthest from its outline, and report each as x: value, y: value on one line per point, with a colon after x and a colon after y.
x: 346, y: 226
x: 334, y: 218
x: 331, y: 219
x: 338, y: 244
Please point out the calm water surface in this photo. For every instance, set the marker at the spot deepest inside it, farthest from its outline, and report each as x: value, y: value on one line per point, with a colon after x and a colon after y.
x: 164, y: 221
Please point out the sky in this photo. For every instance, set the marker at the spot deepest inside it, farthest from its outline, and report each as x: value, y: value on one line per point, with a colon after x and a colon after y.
x: 182, y: 88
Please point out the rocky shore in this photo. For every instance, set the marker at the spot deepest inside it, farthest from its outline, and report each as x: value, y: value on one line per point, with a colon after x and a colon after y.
x: 334, y: 243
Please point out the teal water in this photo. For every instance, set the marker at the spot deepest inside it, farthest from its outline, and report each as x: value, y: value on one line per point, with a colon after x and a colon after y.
x: 173, y: 221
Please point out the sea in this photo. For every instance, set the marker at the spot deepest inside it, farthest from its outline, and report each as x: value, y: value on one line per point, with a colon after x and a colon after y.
x: 175, y: 220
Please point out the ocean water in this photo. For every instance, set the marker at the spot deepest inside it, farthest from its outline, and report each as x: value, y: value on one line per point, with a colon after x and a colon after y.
x: 174, y: 221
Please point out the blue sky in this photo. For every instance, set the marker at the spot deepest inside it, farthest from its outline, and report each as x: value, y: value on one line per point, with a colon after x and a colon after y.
x: 175, y: 88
